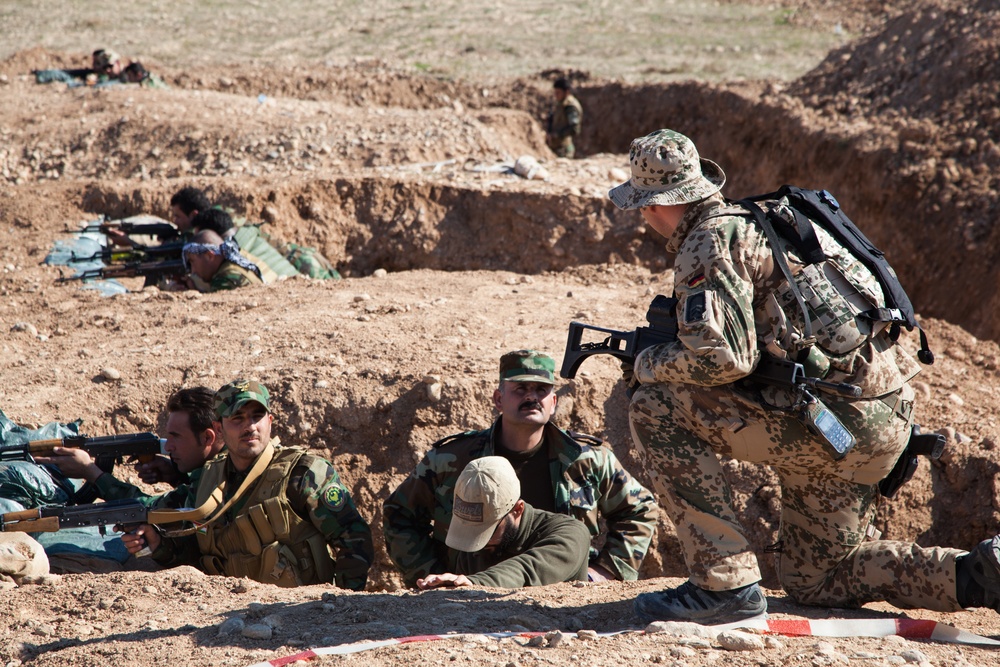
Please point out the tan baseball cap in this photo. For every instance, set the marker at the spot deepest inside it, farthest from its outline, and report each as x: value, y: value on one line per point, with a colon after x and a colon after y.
x: 485, y: 492
x: 666, y: 170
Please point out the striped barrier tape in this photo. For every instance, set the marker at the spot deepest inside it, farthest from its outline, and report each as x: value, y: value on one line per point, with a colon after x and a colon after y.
x: 911, y: 628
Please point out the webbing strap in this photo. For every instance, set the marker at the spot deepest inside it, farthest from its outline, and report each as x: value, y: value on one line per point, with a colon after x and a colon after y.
x: 779, y: 258
x: 210, y: 508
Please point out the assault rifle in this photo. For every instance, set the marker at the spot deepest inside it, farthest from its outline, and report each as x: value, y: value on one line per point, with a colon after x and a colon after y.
x: 138, y: 253
x: 161, y: 230
x: 154, y: 270
x: 115, y: 513
x: 106, y: 450
x: 662, y: 318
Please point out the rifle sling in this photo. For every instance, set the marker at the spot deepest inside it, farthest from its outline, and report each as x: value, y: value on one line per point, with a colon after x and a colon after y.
x: 210, y: 508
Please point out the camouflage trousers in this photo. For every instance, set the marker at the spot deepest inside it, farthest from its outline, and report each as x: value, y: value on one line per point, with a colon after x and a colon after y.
x: 563, y: 147
x: 827, y: 505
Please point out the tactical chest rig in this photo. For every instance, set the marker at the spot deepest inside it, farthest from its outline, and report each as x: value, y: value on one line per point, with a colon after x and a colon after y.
x: 266, y: 540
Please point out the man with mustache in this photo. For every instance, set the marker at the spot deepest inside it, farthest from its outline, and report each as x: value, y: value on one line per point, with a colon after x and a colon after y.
x: 559, y: 471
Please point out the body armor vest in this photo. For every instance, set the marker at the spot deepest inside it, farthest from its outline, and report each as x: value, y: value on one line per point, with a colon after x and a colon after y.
x: 266, y: 541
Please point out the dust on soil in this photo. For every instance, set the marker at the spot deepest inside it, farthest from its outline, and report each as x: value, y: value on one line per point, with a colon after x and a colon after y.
x: 383, y: 169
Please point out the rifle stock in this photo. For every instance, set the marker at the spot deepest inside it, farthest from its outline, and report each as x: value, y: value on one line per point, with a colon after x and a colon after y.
x: 624, y: 345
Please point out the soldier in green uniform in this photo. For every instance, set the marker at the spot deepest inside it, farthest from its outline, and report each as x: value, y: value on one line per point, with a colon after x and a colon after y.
x: 504, y: 542
x: 564, y: 120
x: 563, y: 472
x: 280, y: 515
x: 696, y: 401
x: 190, y: 442
x: 218, y: 264
x: 136, y: 73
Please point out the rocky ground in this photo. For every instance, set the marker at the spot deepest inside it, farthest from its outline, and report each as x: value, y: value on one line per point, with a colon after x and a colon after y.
x: 449, y: 260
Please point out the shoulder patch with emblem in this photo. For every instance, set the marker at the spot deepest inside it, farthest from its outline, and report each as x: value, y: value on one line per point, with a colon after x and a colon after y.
x: 695, y: 308
x: 334, y: 496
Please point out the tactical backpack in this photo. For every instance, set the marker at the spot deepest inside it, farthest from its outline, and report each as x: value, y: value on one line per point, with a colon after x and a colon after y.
x: 819, y: 207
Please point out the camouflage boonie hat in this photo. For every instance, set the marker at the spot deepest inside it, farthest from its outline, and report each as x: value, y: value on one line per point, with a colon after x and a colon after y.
x: 527, y: 366
x: 666, y: 170
x: 235, y: 395
x: 105, y: 57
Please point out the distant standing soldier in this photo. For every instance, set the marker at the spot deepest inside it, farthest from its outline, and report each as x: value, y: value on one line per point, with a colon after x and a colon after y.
x: 564, y: 121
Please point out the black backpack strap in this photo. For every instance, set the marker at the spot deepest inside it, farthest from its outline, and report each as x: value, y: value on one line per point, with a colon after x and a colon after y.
x: 779, y: 258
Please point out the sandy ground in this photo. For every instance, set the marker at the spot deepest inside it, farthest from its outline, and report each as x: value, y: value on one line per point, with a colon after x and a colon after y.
x: 401, y: 177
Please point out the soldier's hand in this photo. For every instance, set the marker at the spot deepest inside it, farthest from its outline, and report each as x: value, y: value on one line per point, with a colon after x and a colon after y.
x: 118, y: 237
x: 598, y: 573
x: 143, y: 537
x: 72, y: 462
x: 160, y: 469
x: 628, y: 376
x: 443, y: 580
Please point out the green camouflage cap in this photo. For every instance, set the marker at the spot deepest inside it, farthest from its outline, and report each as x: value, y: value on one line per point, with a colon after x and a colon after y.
x: 238, y: 393
x: 666, y: 170
x: 527, y: 366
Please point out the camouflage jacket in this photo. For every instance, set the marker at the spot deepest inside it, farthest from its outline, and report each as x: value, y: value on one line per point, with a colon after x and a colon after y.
x: 567, y: 117
x: 734, y: 302
x: 588, y: 483
x: 315, y: 493
x: 230, y: 276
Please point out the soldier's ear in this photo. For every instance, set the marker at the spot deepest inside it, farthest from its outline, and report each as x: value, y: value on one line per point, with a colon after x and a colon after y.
x: 497, y: 397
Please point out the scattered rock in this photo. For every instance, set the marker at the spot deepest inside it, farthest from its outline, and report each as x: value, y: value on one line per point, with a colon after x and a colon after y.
x: 586, y: 635
x: 679, y: 629
x: 734, y: 640
x: 231, y: 626
x: 27, y: 327
x: 258, y: 631
x: 111, y: 374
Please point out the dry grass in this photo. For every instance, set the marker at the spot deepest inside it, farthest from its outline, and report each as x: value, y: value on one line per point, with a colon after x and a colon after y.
x: 643, y: 40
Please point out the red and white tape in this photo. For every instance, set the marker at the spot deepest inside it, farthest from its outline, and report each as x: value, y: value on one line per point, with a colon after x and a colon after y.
x: 790, y: 627
x: 911, y: 628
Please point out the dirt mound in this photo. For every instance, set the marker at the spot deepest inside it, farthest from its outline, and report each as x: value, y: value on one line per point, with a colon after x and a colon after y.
x: 385, y: 168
